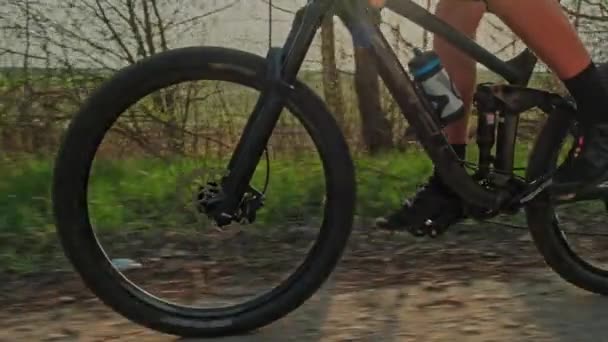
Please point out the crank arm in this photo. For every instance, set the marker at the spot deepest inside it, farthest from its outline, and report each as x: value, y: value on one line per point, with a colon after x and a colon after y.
x: 568, y: 194
x: 564, y: 194
x: 590, y: 195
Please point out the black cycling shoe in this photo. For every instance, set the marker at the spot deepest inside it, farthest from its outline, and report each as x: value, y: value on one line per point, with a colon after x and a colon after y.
x: 430, y: 212
x: 587, y: 162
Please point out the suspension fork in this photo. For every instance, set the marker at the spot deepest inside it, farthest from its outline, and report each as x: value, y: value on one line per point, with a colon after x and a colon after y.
x: 282, y: 67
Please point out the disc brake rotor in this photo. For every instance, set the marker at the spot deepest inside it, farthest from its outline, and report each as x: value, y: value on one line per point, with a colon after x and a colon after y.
x: 189, y: 187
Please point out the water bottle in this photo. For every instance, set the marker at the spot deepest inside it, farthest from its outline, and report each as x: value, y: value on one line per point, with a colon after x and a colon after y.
x: 439, y: 89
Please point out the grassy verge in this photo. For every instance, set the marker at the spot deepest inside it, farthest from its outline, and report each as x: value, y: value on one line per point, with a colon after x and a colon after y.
x: 140, y: 193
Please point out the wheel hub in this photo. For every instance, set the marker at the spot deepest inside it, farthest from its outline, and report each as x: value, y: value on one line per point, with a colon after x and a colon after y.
x: 210, y: 197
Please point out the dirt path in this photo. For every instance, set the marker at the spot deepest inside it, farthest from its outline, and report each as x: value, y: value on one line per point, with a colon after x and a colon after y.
x: 538, y: 308
x: 482, y: 296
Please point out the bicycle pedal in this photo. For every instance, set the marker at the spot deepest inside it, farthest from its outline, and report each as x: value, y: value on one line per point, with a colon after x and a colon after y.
x: 438, y: 227
x: 430, y: 229
x: 434, y: 231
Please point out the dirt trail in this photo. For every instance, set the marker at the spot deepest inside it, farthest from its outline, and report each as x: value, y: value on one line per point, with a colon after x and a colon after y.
x: 538, y: 308
x: 480, y: 297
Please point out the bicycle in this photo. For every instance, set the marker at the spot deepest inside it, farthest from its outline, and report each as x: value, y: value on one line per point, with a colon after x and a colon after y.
x: 492, y: 190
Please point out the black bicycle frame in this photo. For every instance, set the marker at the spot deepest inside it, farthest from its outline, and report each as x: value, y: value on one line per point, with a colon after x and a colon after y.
x: 285, y: 63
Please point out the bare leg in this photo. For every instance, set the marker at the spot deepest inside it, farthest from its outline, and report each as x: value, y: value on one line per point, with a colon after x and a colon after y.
x: 544, y: 27
x: 465, y: 17
x: 436, y: 200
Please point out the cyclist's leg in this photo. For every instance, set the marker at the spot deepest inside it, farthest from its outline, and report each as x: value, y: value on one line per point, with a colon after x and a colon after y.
x: 544, y: 27
x: 436, y: 201
x: 465, y: 16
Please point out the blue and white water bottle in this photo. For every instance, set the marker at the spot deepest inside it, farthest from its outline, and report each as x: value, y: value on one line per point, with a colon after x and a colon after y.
x: 439, y: 89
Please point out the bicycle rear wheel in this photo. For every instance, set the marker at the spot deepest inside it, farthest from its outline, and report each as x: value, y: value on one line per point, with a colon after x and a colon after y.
x: 572, y: 237
x: 109, y: 113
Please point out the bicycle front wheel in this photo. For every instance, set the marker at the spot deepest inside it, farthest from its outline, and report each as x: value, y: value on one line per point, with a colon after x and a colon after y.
x: 108, y: 197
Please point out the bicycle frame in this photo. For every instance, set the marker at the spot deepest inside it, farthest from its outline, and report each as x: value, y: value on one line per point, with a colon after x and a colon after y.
x: 285, y: 63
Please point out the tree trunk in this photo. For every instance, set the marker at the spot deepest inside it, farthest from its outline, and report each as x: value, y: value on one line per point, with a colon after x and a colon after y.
x: 331, y: 79
x: 577, y: 20
x: 376, y: 129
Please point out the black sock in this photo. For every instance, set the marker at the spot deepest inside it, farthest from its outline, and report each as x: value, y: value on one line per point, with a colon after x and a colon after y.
x: 590, y: 95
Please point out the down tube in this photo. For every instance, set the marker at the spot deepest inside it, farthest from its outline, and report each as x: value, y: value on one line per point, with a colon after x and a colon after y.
x: 428, y: 131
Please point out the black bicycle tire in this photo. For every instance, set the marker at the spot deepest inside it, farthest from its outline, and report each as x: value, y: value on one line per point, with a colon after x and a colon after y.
x: 548, y: 238
x: 101, y: 110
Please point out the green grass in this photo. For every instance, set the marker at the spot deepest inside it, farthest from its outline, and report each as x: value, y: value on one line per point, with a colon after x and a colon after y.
x: 141, y: 193
x: 26, y: 228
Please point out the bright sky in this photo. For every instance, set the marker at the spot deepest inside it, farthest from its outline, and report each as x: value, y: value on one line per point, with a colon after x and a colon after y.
x: 245, y: 26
